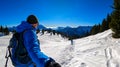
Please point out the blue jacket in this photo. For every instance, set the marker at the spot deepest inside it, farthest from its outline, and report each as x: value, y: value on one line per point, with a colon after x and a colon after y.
x: 32, y: 45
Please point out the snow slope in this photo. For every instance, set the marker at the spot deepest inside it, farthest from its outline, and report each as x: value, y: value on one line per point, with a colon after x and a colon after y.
x: 99, y: 50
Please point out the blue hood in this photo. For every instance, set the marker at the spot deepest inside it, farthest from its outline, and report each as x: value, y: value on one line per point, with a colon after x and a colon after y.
x: 24, y: 26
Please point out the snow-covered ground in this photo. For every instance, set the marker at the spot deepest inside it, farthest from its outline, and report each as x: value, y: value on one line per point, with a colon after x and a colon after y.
x: 99, y: 50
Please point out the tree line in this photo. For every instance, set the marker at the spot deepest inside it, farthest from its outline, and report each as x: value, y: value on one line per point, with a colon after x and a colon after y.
x: 112, y: 22
x: 4, y: 30
x: 62, y: 34
x: 101, y: 27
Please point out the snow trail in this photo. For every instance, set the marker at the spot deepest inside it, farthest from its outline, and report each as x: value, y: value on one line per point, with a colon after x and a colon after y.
x: 67, y: 55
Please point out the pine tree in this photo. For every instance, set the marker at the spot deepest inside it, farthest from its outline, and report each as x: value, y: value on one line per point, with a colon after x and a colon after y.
x: 108, y: 19
x: 1, y: 29
x: 99, y: 26
x: 95, y: 29
x: 43, y: 31
x: 104, y: 25
x: 6, y: 31
x: 115, y: 21
x: 92, y: 32
x: 53, y: 32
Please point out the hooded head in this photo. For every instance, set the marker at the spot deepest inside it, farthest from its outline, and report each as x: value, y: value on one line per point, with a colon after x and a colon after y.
x: 30, y: 23
x: 32, y: 19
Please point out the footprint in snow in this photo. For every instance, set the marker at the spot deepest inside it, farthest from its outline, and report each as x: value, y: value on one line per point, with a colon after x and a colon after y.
x: 83, y: 65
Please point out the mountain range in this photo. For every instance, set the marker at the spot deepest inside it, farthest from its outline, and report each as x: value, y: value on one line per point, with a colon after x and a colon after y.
x: 70, y: 31
x: 78, y: 31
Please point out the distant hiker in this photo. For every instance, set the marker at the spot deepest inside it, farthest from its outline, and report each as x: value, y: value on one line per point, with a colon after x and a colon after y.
x: 33, y: 57
x: 72, y: 43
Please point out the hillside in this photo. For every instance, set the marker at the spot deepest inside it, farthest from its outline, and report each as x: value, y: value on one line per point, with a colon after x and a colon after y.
x: 99, y: 50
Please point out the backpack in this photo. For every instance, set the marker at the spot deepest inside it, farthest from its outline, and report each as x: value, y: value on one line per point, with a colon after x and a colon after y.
x: 17, y: 51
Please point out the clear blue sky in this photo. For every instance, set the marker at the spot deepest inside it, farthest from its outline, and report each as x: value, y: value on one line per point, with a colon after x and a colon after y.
x: 53, y: 13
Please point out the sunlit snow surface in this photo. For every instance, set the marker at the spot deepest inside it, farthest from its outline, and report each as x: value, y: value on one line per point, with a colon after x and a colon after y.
x: 100, y: 50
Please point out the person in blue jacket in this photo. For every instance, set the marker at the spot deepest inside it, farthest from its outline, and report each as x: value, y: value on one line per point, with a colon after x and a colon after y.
x: 32, y: 45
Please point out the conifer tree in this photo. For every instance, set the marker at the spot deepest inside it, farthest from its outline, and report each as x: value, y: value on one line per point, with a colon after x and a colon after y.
x: 115, y: 21
x: 53, y: 32
x: 95, y: 29
x: 6, y: 31
x: 104, y: 25
x: 1, y: 29
x: 108, y: 20
x: 43, y: 31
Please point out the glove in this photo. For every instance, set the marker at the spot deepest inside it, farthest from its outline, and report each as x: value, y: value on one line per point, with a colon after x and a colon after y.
x: 51, y: 63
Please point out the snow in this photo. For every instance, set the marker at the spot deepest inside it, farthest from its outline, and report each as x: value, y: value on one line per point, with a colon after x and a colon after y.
x: 100, y: 50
